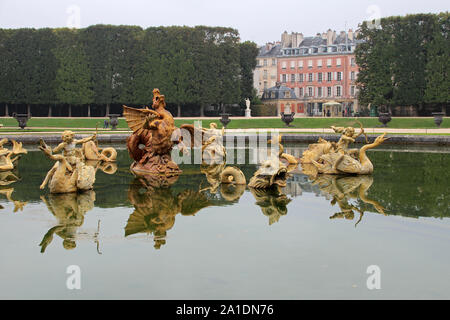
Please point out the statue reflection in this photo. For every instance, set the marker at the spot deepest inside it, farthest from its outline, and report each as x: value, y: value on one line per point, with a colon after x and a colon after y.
x: 229, y: 180
x: 156, y: 208
x: 273, y: 203
x: 343, y: 189
x: 7, y: 178
x: 69, y: 209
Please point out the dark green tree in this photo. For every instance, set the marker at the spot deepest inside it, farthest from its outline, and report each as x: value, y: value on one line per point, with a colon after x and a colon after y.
x: 438, y: 65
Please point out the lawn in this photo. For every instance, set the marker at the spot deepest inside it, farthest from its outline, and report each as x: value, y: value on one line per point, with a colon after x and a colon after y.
x: 80, y: 123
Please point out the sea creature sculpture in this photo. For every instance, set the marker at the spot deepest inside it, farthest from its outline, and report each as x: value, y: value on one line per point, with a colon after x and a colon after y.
x: 272, y: 173
x: 341, y: 163
x: 151, y: 143
x: 285, y: 157
x: 70, y: 172
x: 6, y: 162
x: 337, y: 158
x: 210, y: 140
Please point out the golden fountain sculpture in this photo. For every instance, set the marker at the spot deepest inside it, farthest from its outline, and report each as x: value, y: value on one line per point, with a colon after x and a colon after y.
x: 72, y: 172
x: 337, y: 158
x: 6, y: 163
x: 274, y: 171
x: 150, y: 144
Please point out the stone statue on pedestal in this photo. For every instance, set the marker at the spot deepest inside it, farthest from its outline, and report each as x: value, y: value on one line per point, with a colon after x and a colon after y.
x: 248, y: 112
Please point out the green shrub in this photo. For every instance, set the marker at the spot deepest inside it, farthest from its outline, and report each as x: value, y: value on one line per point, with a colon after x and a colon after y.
x: 264, y: 110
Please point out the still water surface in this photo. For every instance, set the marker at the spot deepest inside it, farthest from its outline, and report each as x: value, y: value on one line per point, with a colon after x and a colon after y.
x: 194, y: 241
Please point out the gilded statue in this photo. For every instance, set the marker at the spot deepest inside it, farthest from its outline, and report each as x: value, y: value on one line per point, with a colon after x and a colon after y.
x: 6, y: 161
x: 286, y: 158
x: 69, y: 173
x: 69, y: 209
x: 345, y: 188
x: 231, y: 180
x: 75, y: 168
x: 151, y: 143
x: 210, y: 140
x: 337, y: 158
x: 274, y: 171
x: 271, y: 174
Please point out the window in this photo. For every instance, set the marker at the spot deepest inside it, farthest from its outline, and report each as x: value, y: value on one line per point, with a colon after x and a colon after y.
x: 265, y: 62
x: 339, y: 76
x: 310, y: 64
x: 274, y: 62
x: 329, y: 91
x: 265, y: 74
x: 287, y: 94
x: 283, y: 65
x: 310, y: 91
x: 352, y: 90
x: 283, y: 79
x: 319, y: 77
x: 319, y: 91
x: 300, y: 92
x: 329, y: 62
x: 329, y: 76
x: 352, y: 62
x: 292, y: 64
x: 300, y: 64
x: 338, y: 62
x: 310, y: 77
x: 300, y: 77
x: 338, y: 91
x: 319, y: 63
x: 352, y: 75
x: 272, y: 95
x: 292, y: 78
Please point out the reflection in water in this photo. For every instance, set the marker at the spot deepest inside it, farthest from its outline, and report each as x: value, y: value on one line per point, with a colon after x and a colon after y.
x: 156, y: 208
x: 69, y: 209
x: 272, y: 203
x: 6, y: 178
x: 18, y: 205
x: 343, y: 190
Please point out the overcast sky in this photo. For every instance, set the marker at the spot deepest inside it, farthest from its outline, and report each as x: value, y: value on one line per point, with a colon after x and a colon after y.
x: 259, y: 21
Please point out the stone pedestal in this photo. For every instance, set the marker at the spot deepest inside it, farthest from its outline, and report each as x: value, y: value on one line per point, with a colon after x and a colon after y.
x: 248, y: 113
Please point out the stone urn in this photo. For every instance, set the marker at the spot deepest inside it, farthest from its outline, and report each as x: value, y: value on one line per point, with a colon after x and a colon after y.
x: 384, y: 118
x: 22, y: 119
x: 287, y: 118
x: 225, y: 120
x: 438, y: 118
x: 114, y: 121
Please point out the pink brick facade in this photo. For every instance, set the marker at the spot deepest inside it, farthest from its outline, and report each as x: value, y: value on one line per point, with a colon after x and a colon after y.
x: 317, y: 79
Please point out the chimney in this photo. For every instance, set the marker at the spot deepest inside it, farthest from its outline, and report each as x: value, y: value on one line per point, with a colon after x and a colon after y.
x: 350, y: 34
x: 329, y: 37
x: 324, y: 36
x: 286, y: 39
x: 334, y: 36
x: 299, y: 39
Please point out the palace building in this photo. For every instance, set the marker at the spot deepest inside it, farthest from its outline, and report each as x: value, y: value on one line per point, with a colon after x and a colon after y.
x: 321, y: 70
